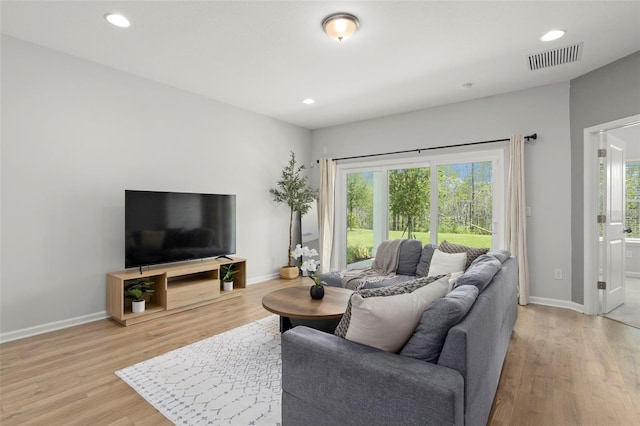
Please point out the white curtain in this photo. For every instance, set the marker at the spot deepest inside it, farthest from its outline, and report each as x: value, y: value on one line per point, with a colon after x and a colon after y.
x: 516, y: 232
x: 326, y: 212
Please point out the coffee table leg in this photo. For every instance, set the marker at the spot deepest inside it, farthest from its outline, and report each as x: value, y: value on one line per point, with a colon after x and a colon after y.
x: 285, y: 324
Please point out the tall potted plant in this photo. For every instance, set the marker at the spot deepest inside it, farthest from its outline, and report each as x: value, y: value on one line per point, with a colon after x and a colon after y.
x: 294, y: 191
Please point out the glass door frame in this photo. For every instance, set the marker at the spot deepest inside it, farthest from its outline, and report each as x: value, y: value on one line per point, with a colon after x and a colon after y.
x: 496, y: 156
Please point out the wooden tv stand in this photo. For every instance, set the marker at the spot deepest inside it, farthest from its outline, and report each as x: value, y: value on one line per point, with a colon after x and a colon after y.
x: 177, y: 288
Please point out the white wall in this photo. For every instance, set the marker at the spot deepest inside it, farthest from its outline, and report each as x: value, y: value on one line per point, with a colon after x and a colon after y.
x: 75, y: 134
x: 606, y: 94
x: 542, y: 110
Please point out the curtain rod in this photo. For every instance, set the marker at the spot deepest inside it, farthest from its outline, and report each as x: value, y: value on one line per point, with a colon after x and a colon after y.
x: 533, y: 136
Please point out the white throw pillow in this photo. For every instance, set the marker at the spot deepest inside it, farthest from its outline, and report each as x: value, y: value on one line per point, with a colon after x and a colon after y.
x: 387, y: 322
x: 446, y: 263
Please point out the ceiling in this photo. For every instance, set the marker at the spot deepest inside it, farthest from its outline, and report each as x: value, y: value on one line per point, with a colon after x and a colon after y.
x: 267, y: 56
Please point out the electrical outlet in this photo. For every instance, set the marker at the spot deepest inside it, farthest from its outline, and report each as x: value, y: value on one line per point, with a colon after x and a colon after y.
x: 629, y: 254
x: 557, y: 274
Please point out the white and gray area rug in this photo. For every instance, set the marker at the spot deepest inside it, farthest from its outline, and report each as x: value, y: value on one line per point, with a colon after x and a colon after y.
x: 229, y: 379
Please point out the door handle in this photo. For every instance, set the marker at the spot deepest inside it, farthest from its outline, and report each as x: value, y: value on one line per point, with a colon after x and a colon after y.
x: 628, y: 230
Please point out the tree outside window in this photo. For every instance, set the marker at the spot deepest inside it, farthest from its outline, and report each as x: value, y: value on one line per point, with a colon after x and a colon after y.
x: 409, y: 201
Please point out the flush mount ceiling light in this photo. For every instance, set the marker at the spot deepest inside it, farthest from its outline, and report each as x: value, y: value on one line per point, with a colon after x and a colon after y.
x: 553, y: 35
x: 308, y: 101
x: 117, y: 20
x: 340, y: 26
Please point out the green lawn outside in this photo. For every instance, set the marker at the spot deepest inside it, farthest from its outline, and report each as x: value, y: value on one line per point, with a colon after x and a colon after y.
x: 364, y: 237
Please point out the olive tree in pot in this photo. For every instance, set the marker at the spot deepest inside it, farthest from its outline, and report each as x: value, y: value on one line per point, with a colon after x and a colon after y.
x: 294, y: 191
x: 136, y: 290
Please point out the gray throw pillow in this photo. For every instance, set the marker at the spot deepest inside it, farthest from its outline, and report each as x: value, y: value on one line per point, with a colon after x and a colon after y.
x: 385, y: 318
x: 429, y: 336
x: 399, y: 288
x: 425, y: 260
x: 480, y: 273
x: 410, y: 252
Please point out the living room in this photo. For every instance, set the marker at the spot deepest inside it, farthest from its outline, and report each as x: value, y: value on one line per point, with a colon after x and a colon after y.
x: 76, y: 133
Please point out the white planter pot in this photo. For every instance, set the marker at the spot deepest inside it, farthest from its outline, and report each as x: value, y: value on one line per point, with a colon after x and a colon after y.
x: 137, y: 307
x: 227, y: 285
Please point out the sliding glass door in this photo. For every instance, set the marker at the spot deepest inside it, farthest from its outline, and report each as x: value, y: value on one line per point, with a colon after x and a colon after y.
x: 409, y: 203
x: 364, y: 228
x: 465, y: 203
x: 449, y: 198
x: 382, y: 203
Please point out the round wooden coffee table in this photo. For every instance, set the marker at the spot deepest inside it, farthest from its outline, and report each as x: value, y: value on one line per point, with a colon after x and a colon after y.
x: 295, y: 302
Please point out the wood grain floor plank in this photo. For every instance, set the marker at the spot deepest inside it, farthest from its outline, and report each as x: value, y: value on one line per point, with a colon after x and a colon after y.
x: 562, y: 367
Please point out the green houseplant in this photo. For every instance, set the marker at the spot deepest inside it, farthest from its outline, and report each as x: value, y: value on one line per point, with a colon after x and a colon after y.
x: 135, y: 290
x: 228, y: 271
x: 294, y: 191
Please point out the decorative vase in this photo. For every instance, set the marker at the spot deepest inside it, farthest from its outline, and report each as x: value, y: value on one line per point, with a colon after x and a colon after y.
x: 227, y: 285
x: 289, y: 272
x: 137, y: 307
x: 317, y: 292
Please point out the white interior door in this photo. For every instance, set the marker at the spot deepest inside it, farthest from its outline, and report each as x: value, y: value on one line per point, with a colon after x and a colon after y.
x: 613, y: 228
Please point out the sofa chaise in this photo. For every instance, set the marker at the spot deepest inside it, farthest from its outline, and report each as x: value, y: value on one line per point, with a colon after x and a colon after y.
x: 330, y: 380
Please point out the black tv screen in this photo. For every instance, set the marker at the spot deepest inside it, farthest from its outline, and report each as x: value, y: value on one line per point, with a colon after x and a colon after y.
x: 164, y: 227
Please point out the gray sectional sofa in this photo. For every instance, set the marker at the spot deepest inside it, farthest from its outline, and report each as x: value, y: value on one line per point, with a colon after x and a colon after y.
x: 329, y: 380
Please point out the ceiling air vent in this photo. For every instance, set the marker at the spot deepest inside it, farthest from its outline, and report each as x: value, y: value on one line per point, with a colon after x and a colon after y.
x: 553, y: 57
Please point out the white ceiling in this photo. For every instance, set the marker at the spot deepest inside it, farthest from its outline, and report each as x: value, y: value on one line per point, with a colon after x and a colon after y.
x: 267, y: 56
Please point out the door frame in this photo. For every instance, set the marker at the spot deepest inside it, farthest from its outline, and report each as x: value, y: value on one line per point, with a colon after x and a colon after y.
x: 591, y: 183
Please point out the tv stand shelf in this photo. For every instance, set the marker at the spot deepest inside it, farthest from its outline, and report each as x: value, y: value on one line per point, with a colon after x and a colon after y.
x: 177, y: 288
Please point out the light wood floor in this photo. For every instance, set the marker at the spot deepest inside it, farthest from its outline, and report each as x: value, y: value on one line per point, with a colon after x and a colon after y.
x: 562, y: 368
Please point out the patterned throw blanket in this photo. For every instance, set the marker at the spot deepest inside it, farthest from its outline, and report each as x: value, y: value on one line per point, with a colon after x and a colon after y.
x: 384, y: 267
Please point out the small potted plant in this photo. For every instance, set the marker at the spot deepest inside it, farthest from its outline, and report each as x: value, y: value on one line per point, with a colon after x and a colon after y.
x: 294, y: 191
x: 135, y: 290
x: 228, y: 271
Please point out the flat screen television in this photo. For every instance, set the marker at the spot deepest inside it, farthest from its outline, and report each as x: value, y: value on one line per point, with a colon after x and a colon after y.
x: 165, y: 227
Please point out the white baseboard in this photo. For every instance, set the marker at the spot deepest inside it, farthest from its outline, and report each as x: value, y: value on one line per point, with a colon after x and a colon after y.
x: 632, y: 274
x: 59, y: 325
x: 52, y: 326
x: 556, y: 303
x: 256, y: 280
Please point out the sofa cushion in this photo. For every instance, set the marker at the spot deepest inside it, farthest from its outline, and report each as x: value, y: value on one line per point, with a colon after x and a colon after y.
x: 385, y: 318
x: 410, y: 252
x: 501, y: 254
x: 425, y: 259
x: 396, y: 279
x: 472, y: 252
x: 446, y: 263
x: 480, y: 273
x: 331, y: 278
x: 429, y: 336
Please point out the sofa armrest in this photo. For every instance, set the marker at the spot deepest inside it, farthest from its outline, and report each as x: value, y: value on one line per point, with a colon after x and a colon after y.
x: 329, y: 380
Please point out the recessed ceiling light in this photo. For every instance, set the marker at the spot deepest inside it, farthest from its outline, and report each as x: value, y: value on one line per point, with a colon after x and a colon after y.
x: 308, y: 101
x: 553, y: 35
x: 117, y: 20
